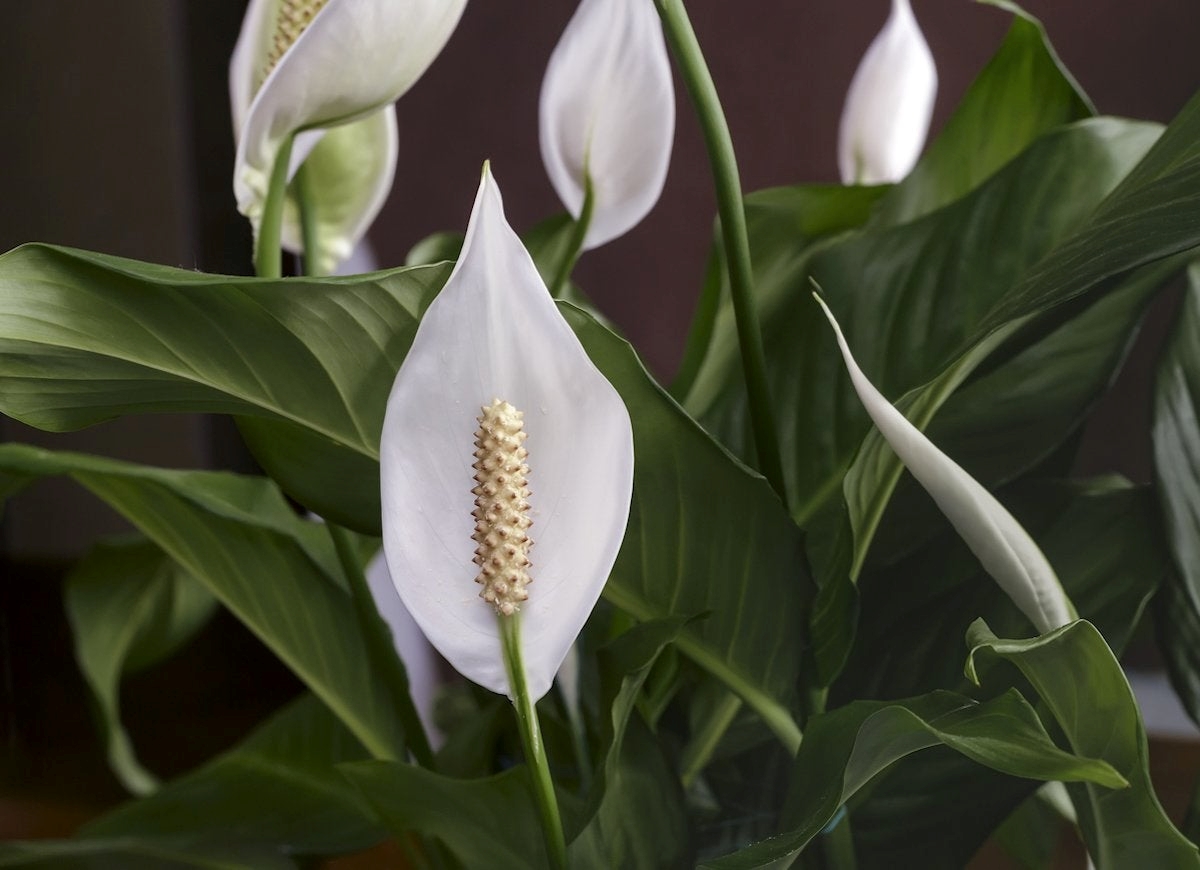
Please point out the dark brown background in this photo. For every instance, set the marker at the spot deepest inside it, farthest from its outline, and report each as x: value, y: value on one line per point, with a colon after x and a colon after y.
x: 114, y: 136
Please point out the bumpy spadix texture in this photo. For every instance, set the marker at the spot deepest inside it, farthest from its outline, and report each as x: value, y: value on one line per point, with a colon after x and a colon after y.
x: 292, y: 18
x: 328, y: 71
x: 502, y: 507
x: 608, y: 112
x: 994, y: 536
x: 494, y: 332
x: 889, y: 104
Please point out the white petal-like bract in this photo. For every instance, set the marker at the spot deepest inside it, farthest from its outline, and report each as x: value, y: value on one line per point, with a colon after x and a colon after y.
x: 351, y: 62
x: 607, y: 113
x: 493, y: 332
x: 886, y: 116
x: 994, y: 536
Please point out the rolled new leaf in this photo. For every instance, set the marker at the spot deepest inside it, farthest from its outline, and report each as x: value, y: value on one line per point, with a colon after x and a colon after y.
x: 994, y: 536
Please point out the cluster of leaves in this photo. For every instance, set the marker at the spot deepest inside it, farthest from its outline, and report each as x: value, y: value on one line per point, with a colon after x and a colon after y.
x: 994, y: 292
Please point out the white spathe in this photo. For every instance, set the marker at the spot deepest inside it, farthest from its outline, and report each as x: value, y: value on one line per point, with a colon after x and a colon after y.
x: 334, y: 87
x: 889, y: 105
x: 1004, y: 548
x: 607, y: 113
x: 494, y: 332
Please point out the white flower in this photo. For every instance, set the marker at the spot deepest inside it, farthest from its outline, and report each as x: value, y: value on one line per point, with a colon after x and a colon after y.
x: 994, y: 536
x: 607, y: 114
x: 889, y: 104
x: 328, y: 70
x: 494, y: 333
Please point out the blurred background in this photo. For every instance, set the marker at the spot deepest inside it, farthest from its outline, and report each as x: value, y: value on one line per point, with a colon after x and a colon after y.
x: 116, y: 137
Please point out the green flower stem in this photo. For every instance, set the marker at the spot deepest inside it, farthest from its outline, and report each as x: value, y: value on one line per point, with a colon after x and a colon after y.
x: 531, y: 739
x: 696, y: 77
x: 381, y: 648
x: 308, y: 223
x: 575, y: 243
x: 699, y: 751
x: 267, y: 246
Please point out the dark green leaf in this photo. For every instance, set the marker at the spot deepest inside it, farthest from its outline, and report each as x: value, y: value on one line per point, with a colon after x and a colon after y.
x: 1079, y: 679
x: 139, y: 853
x: 129, y: 606
x: 1022, y: 93
x: 483, y: 822
x: 85, y: 337
x: 734, y: 555
x: 845, y: 749
x: 278, y: 788
x: 273, y: 569
x: 1177, y: 467
x: 1101, y: 537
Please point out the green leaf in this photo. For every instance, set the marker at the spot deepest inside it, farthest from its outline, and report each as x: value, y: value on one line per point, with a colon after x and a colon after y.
x: 1152, y: 215
x: 641, y: 822
x: 275, y: 794
x: 845, y: 749
x: 1101, y: 536
x: 634, y: 816
x: 86, y: 337
x: 1079, y: 679
x: 488, y: 822
x: 129, y: 606
x: 735, y: 555
x: 911, y: 300
x: 1103, y: 539
x: 139, y: 853
x: 1030, y: 835
x: 1012, y: 417
x: 786, y: 226
x: 1022, y: 93
x: 274, y: 570
x: 278, y: 788
x: 1176, y: 435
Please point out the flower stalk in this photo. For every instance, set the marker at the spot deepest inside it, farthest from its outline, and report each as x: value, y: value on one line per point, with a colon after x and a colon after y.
x: 682, y: 39
x: 575, y: 243
x: 531, y: 740
x: 267, y: 251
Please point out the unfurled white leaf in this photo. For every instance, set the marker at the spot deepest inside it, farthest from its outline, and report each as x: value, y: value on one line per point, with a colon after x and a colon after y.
x: 994, y: 536
x: 607, y: 114
x: 494, y: 333
x: 886, y: 116
x: 328, y: 71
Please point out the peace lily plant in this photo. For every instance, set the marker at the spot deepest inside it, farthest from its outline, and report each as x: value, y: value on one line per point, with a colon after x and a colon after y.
x: 734, y: 614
